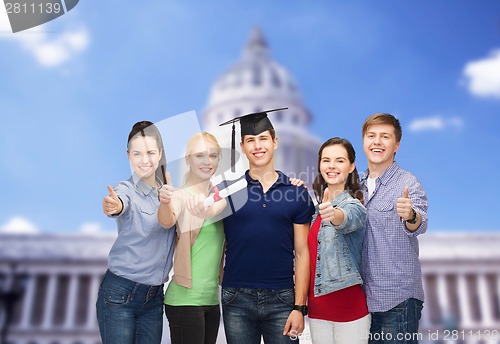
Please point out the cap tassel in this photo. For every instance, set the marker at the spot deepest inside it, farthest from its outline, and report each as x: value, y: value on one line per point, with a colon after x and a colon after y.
x: 233, y: 152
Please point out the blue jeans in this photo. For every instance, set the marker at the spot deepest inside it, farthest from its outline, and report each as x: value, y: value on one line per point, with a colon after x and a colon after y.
x: 397, y: 325
x: 129, y: 312
x: 250, y: 314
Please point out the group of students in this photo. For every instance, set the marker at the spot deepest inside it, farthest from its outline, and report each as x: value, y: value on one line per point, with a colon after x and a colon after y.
x: 350, y: 263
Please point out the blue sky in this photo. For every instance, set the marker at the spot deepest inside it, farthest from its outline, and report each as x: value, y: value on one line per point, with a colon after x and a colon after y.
x: 71, y: 89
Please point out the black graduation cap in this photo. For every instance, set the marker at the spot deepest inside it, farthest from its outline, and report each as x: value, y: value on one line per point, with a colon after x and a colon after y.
x: 251, y: 124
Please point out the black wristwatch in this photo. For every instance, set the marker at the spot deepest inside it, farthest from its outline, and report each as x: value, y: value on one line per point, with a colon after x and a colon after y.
x: 302, y: 309
x: 414, y: 218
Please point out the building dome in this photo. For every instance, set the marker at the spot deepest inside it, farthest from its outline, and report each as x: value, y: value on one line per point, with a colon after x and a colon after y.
x: 255, y: 79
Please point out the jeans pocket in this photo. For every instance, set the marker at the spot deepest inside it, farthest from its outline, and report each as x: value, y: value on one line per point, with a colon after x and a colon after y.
x: 287, y: 296
x: 228, y: 295
x: 418, y: 309
x: 161, y: 296
x: 402, y: 307
x: 114, y: 297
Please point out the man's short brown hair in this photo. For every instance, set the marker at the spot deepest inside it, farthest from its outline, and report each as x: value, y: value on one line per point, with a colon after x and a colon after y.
x: 383, y: 118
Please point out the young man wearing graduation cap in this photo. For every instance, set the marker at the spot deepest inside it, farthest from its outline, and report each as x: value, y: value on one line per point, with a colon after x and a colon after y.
x: 266, y: 273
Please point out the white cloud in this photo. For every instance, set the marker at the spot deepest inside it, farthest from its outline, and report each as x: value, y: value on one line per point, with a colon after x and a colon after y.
x: 49, y: 50
x: 18, y: 224
x: 436, y: 123
x: 483, y: 76
x: 54, y: 51
x: 95, y: 228
x: 91, y: 228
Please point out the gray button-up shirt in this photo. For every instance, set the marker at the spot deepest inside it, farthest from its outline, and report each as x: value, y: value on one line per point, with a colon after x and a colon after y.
x: 143, y: 250
x: 390, y: 266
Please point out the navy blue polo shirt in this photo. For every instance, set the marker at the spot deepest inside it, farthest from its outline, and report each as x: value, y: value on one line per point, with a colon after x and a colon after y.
x: 259, y: 234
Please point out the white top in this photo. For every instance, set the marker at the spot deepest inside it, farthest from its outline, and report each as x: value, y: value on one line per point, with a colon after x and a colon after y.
x: 370, y: 183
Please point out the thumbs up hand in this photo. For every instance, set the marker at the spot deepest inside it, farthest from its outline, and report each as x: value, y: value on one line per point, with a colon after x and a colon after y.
x: 196, y: 206
x: 111, y: 204
x: 326, y: 209
x: 166, y: 192
x: 404, y: 206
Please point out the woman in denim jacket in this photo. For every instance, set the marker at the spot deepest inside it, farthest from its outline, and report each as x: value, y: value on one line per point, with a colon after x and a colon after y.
x: 337, y: 304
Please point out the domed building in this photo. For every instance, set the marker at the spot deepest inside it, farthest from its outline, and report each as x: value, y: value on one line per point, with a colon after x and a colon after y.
x: 257, y: 83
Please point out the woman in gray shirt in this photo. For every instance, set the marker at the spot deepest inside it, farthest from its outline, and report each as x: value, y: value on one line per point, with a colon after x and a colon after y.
x: 130, y: 299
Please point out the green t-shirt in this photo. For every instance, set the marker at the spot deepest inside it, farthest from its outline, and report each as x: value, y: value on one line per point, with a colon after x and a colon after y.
x: 206, y: 255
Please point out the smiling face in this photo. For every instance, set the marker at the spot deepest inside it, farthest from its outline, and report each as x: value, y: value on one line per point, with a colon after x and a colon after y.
x: 144, y: 156
x: 380, y: 146
x: 335, y: 166
x: 259, y: 149
x: 203, y: 160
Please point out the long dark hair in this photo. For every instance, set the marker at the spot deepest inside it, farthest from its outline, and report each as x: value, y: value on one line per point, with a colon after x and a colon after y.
x: 147, y: 128
x: 352, y: 182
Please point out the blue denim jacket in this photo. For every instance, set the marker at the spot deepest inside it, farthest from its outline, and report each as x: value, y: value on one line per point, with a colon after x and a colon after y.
x: 339, y: 247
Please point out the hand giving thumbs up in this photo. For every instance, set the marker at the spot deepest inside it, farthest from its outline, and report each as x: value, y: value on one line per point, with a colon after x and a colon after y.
x: 166, y: 192
x: 404, y: 206
x: 326, y: 209
x: 111, y: 204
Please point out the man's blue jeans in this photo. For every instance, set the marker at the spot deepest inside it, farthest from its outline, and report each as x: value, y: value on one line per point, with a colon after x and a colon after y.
x: 251, y: 313
x: 129, y: 312
x: 397, y: 325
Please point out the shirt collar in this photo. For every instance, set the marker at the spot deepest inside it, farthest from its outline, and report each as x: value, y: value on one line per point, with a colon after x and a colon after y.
x: 340, y: 198
x: 385, y: 176
x: 141, y: 185
x: 282, y: 178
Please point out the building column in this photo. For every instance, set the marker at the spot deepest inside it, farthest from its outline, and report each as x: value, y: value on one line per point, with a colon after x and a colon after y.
x: 498, y: 291
x: 91, y: 322
x: 485, y: 300
x: 425, y: 320
x: 28, y: 302
x: 463, y: 300
x: 71, y: 302
x: 50, y: 301
x: 443, y: 298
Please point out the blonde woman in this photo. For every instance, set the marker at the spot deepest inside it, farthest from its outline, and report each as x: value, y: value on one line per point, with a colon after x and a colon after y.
x: 192, y: 297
